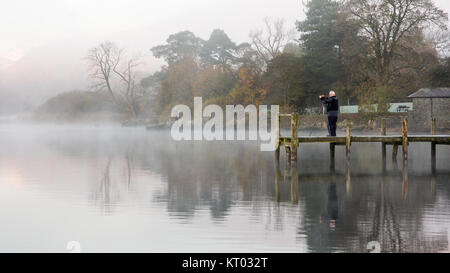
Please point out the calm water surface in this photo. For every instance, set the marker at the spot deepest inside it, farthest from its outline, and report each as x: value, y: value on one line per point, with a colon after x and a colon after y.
x: 118, y: 189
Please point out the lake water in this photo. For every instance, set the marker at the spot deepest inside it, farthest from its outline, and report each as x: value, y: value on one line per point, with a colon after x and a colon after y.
x: 114, y: 189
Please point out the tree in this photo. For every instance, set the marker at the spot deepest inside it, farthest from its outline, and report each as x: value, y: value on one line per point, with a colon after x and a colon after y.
x: 440, y: 76
x: 177, y: 87
x: 270, y: 41
x: 179, y: 45
x: 386, y: 22
x: 440, y: 40
x: 414, y: 60
x: 112, y: 70
x: 284, y: 82
x: 213, y: 83
x: 248, y: 90
x: 220, y: 51
x: 354, y: 54
x: 321, y: 43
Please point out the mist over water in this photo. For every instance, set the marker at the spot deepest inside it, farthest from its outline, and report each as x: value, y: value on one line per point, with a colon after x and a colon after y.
x: 127, y: 189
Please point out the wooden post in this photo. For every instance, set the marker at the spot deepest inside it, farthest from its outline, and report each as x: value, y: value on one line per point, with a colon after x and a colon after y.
x: 332, y: 156
x: 433, y: 146
x: 405, y: 157
x: 405, y: 139
x: 347, y: 144
x: 383, y: 144
x: 294, y: 136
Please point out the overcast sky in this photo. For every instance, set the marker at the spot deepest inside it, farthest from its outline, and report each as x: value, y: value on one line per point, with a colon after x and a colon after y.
x: 25, y: 24
x: 46, y: 40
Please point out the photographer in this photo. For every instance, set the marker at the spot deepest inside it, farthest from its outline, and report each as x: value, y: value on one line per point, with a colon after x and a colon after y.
x: 332, y: 104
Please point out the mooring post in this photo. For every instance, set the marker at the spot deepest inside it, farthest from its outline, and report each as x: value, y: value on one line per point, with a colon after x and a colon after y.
x: 383, y: 144
x: 332, y: 156
x: 294, y: 136
x: 405, y: 139
x: 347, y: 144
x: 433, y: 146
x: 405, y: 157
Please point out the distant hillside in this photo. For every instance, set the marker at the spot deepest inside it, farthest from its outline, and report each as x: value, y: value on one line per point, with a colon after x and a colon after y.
x: 77, y: 106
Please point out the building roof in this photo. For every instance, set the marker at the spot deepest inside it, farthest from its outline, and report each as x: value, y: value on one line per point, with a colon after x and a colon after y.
x: 443, y: 92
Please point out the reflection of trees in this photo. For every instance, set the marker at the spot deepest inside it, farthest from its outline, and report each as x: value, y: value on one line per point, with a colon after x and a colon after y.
x: 398, y: 222
x: 375, y: 211
x: 208, y: 174
x: 104, y: 187
x: 215, y: 176
x: 386, y: 229
x: 110, y: 187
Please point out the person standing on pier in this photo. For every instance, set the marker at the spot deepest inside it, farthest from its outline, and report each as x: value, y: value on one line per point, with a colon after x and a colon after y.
x: 332, y: 104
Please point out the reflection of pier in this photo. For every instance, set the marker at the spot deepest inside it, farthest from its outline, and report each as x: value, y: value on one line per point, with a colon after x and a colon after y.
x: 291, y: 175
x: 291, y: 143
x: 331, y: 202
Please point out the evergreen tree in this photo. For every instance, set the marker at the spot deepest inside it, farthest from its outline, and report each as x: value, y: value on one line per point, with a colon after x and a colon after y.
x: 321, y: 44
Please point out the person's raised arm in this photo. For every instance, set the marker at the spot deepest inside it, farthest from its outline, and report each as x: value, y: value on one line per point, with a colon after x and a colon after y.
x: 324, y: 99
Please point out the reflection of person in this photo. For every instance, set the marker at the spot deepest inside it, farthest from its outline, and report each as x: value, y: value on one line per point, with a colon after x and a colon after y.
x: 332, y: 205
x: 332, y: 104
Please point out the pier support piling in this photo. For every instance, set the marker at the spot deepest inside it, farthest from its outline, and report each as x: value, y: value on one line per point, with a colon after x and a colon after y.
x: 405, y: 139
x: 405, y: 157
x: 294, y: 137
x: 291, y: 144
x: 347, y: 144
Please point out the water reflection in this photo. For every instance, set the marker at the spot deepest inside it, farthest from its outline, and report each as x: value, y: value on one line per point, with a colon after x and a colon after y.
x: 227, y: 196
x: 391, y: 209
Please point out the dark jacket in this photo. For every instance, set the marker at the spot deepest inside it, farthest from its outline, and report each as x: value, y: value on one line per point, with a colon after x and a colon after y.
x: 332, y: 104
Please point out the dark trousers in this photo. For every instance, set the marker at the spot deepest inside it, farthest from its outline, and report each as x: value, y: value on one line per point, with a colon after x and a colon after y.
x: 332, y: 125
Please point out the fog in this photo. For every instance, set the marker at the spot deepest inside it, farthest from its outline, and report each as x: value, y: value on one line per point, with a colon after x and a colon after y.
x: 83, y: 165
x: 43, y: 43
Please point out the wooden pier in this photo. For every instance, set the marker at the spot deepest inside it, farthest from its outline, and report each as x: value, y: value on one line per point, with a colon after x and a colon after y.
x: 292, y: 143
